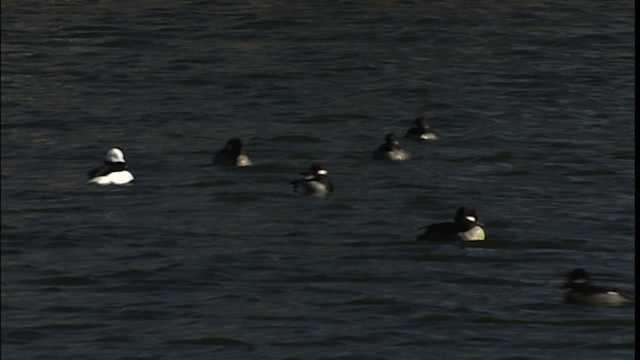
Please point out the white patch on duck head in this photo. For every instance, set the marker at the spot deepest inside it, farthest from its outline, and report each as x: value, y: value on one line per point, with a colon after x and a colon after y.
x: 115, y: 155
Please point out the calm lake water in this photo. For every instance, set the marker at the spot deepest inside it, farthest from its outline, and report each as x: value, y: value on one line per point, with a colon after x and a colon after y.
x: 534, y: 103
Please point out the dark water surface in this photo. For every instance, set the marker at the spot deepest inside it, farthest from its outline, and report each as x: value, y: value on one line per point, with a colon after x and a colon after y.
x: 534, y: 102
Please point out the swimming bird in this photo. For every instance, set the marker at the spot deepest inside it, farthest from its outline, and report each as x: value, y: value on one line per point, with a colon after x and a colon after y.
x: 113, y: 172
x: 391, y: 150
x: 315, y: 182
x: 233, y: 154
x: 421, y: 131
x: 465, y: 227
x: 583, y: 293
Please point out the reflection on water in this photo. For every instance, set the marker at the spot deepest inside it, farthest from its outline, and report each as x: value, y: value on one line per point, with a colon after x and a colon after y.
x: 534, y: 107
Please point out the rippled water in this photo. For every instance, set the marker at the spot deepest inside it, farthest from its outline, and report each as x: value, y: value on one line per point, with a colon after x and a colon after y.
x: 534, y: 103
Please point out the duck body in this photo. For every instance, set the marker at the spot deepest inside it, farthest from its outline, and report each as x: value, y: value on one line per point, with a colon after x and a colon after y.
x: 421, y: 131
x: 114, y: 171
x: 391, y: 150
x: 582, y: 292
x: 465, y: 227
x: 315, y: 182
x: 233, y: 154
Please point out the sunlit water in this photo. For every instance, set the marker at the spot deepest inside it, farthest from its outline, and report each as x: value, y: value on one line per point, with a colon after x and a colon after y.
x: 534, y: 104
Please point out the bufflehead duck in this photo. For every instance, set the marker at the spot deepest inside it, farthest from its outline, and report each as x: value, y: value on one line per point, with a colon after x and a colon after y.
x: 232, y: 154
x: 315, y: 182
x: 421, y: 131
x: 465, y: 227
x: 583, y: 293
x: 114, y: 171
x: 391, y: 150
